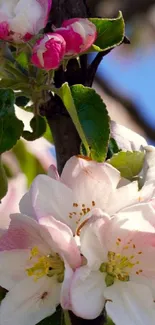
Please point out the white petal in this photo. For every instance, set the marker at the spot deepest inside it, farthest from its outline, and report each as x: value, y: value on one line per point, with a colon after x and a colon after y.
x: 25, y: 205
x: 12, y: 267
x: 91, y: 182
x: 51, y: 197
x: 61, y: 240
x: 126, y: 138
x: 123, y: 197
x: 87, y: 289
x: 30, y: 301
x: 65, y: 289
x: 92, y: 247
x: 131, y: 304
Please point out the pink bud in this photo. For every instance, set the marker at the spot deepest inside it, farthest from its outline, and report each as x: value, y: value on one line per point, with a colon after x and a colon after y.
x: 49, y: 51
x: 79, y: 34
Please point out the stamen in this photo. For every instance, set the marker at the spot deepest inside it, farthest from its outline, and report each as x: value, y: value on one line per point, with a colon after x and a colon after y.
x: 49, y: 265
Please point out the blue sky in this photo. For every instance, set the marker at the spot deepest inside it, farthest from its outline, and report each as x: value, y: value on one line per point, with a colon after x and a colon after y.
x: 134, y: 76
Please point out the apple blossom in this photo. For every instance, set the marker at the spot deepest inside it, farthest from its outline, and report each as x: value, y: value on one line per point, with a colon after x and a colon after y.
x: 20, y: 19
x: 10, y: 203
x: 36, y: 265
x: 49, y: 51
x: 126, y: 138
x: 120, y: 267
x: 84, y: 185
x: 79, y: 34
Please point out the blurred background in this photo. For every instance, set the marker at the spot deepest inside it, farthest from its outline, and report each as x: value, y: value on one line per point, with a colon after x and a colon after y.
x: 125, y: 79
x: 126, y: 76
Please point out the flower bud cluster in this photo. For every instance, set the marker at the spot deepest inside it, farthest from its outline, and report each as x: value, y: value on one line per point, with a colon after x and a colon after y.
x: 73, y: 38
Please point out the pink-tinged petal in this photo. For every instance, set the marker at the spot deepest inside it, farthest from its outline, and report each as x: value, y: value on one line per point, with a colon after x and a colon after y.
x: 76, y: 168
x: 91, y: 244
x: 4, y: 30
x: 23, y: 233
x: 65, y: 289
x: 61, y: 240
x: 91, y: 182
x: 51, y: 197
x: 87, y: 293
x: 10, y: 203
x: 135, y: 223
x: 25, y: 205
x: 122, y: 197
x: 131, y: 234
x: 12, y: 267
x: 131, y: 304
x: 30, y: 301
x: 53, y: 172
x: 147, y: 192
x: 48, y: 51
x: 79, y: 34
x: 126, y: 138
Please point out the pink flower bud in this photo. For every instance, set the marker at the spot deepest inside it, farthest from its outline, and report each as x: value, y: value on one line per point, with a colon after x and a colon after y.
x: 49, y: 51
x: 21, y: 19
x: 79, y: 34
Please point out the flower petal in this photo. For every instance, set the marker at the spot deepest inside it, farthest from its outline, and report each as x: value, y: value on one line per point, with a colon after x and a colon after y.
x: 86, y: 294
x: 123, y: 197
x: 25, y: 205
x: 23, y: 233
x: 12, y: 267
x: 65, y: 289
x: 91, y: 244
x: 91, y: 182
x: 29, y: 301
x: 51, y: 197
x: 79, y: 170
x: 61, y: 240
x: 132, y: 304
x: 126, y: 138
x: 53, y: 172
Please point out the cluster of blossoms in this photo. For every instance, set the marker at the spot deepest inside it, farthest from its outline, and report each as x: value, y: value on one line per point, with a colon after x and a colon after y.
x: 85, y: 240
x: 21, y: 20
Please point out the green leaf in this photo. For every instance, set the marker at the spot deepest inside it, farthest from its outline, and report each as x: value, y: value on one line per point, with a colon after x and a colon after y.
x: 129, y: 163
x: 110, y: 32
x: 3, y: 181
x: 66, y: 96
x: 29, y: 164
x: 38, y: 125
x: 10, y: 127
x: 55, y: 319
x: 112, y: 148
x: 22, y: 101
x: 94, y: 120
x: 109, y: 321
x: 22, y: 59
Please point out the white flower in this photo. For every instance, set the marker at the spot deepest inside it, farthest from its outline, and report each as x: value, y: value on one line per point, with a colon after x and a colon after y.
x: 20, y: 19
x: 120, y: 270
x: 83, y: 185
x: 126, y: 138
x: 36, y: 266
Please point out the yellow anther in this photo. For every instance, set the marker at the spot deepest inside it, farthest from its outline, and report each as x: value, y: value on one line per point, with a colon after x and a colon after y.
x: 46, y: 265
